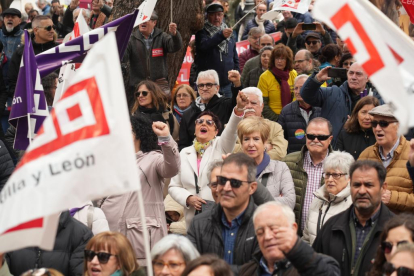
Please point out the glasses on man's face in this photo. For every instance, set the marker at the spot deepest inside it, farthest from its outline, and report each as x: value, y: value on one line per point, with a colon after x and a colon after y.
x: 184, y: 95
x: 319, y: 137
x: 348, y: 63
x: 49, y: 28
x: 387, y: 246
x: 172, y: 266
x: 234, y: 183
x: 208, y: 122
x: 335, y: 176
x: 138, y: 93
x: 206, y: 85
x: 313, y: 42
x: 103, y: 257
x: 212, y: 185
x: 382, y: 123
x: 389, y: 269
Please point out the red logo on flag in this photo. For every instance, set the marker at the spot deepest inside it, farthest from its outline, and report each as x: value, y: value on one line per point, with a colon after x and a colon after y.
x: 79, y: 115
x: 36, y: 223
x: 159, y: 52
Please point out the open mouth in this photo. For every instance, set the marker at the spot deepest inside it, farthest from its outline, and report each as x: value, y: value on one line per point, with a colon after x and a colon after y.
x: 203, y: 130
x: 380, y: 135
x: 95, y: 271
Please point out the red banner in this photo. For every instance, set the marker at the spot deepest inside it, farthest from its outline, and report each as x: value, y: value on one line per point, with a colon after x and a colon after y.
x: 409, y: 7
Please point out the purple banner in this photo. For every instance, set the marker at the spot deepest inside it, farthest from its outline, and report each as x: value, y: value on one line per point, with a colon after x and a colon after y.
x: 75, y: 50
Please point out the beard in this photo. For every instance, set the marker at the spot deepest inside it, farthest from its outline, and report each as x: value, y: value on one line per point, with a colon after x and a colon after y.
x: 9, y: 28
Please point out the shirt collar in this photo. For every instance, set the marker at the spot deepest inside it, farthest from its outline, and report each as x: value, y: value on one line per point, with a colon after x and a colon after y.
x: 238, y: 220
x: 371, y: 221
x: 309, y: 159
x: 283, y: 264
x: 391, y: 153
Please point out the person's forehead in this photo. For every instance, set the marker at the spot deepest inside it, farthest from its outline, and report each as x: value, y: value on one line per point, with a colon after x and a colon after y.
x: 265, y: 39
x: 300, y: 82
x: 232, y: 168
x: 318, y: 126
x: 300, y: 55
x: 383, y: 118
x: 206, y: 117
x: 253, y: 98
x: 271, y: 216
x: 365, y: 175
x: 355, y: 67
x: 262, y: 6
x: 206, y: 80
x: 312, y: 39
x: 46, y: 22
x: 215, y: 13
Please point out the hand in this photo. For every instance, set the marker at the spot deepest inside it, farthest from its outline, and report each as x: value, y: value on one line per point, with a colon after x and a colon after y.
x: 160, y: 129
x: 322, y: 76
x: 298, y: 30
x: 195, y: 202
x: 172, y: 28
x: 319, y: 28
x: 269, y: 147
x: 234, y: 77
x: 286, y: 238
x: 73, y: 4
x: 224, y: 156
x: 386, y: 196
x: 227, y: 32
x: 411, y: 154
x: 242, y: 100
x: 99, y: 3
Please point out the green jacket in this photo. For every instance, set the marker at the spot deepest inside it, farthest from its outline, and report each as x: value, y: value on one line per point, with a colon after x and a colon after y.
x: 294, y: 161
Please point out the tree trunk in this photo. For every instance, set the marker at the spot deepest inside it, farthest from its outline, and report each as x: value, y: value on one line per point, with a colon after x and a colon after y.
x: 5, y: 4
x: 388, y: 7
x: 188, y: 16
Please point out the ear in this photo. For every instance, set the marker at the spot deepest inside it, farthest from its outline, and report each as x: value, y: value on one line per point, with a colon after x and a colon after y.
x: 385, y: 186
x: 252, y: 188
x: 330, y: 139
x: 295, y: 226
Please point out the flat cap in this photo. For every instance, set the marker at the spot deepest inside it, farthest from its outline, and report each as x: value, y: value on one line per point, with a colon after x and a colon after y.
x: 382, y: 110
x: 12, y: 11
x: 312, y: 34
x: 215, y: 7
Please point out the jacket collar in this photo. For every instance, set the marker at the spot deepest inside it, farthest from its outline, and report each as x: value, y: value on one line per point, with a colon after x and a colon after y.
x: 64, y: 219
x: 137, y: 34
x: 341, y: 196
x: 304, y: 150
x: 217, y: 211
x: 397, y: 151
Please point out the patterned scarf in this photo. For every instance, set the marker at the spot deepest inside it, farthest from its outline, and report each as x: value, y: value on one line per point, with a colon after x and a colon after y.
x: 201, y: 147
x: 212, y: 30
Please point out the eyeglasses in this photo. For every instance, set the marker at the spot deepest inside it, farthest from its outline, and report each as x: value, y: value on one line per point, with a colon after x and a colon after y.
x: 299, y: 61
x: 103, y: 257
x: 389, y: 268
x: 387, y: 246
x: 172, y: 266
x: 320, y: 137
x: 334, y: 175
x: 185, y: 95
x: 208, y: 122
x: 212, y: 185
x: 206, y: 85
x: 382, y: 123
x: 49, y: 28
x: 348, y: 63
x: 138, y: 93
x: 234, y: 183
x: 313, y: 42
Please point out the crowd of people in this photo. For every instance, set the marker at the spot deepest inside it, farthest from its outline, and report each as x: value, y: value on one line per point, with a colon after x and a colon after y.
x: 269, y: 163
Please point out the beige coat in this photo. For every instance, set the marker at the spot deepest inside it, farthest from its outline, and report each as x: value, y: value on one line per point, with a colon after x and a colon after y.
x: 122, y: 211
x: 177, y: 227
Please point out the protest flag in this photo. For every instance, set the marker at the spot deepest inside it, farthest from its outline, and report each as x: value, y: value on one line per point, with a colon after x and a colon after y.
x: 409, y: 8
x: 366, y: 43
x: 299, y: 6
x: 29, y: 108
x: 80, y: 27
x: 145, y: 11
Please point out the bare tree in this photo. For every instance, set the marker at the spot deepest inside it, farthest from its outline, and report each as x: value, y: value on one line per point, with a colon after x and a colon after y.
x: 5, y: 4
x: 389, y: 8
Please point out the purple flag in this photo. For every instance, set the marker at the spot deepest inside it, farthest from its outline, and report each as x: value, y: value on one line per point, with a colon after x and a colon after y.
x: 29, y: 107
x: 74, y: 51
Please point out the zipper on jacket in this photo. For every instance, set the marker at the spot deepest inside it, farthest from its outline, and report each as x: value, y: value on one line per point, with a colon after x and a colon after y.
x: 39, y: 253
x: 343, y: 255
x: 221, y: 58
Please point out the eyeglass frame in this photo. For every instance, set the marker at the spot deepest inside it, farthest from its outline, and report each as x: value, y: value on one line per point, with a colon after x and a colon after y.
x: 232, y: 181
x: 50, y: 26
x: 385, y: 245
x: 389, y: 266
x: 208, y: 85
x: 167, y: 264
x: 336, y: 177
x: 382, y: 122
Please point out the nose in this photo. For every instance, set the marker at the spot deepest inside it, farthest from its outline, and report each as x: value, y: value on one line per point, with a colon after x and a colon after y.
x: 227, y: 186
x: 165, y: 270
x: 377, y: 127
x: 268, y: 234
x: 95, y: 260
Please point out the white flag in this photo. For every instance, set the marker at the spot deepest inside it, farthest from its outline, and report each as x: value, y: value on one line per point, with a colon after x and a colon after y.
x: 83, y: 151
x: 299, y: 6
x: 145, y: 11
x: 366, y: 42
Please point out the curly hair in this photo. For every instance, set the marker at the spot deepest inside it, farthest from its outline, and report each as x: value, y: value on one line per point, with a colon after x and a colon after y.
x: 213, y: 117
x: 344, y: 57
x: 142, y: 129
x: 352, y: 125
x: 159, y: 99
x: 281, y: 51
x: 329, y: 52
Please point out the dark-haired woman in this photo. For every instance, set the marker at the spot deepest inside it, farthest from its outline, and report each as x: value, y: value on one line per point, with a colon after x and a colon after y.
x: 277, y: 82
x: 151, y: 101
x: 157, y: 157
x: 346, y: 61
x: 357, y: 133
x: 209, y: 265
x: 330, y: 56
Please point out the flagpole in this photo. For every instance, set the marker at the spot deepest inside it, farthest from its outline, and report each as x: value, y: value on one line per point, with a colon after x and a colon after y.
x: 29, y: 128
x: 171, y: 11
x: 145, y: 231
x: 244, y: 15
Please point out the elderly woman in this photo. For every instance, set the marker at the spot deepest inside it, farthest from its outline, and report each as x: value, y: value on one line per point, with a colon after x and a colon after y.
x: 171, y: 255
x: 253, y: 76
x: 157, y: 157
x: 276, y: 83
x: 183, y: 97
x: 253, y: 133
x: 151, y: 101
x: 357, y: 134
x: 189, y: 187
x: 333, y: 197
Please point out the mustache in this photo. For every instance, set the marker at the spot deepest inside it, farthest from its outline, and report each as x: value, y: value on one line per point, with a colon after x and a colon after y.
x: 316, y: 144
x: 250, y: 110
x: 227, y: 193
x: 358, y: 196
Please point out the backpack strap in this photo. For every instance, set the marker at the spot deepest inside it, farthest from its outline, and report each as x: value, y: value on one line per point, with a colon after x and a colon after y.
x: 265, y: 178
x: 91, y: 210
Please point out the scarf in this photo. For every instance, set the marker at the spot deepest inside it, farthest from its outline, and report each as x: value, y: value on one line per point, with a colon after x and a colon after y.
x: 201, y: 147
x: 179, y: 113
x: 265, y: 162
x: 73, y: 211
x: 6, y: 33
x: 212, y: 30
x: 282, y: 77
x: 154, y: 114
x: 260, y: 23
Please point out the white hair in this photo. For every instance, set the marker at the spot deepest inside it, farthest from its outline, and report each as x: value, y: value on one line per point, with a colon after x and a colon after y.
x: 286, y: 210
x: 303, y: 76
x: 254, y: 91
x: 209, y: 74
x: 177, y: 242
x: 86, y: 11
x: 338, y: 160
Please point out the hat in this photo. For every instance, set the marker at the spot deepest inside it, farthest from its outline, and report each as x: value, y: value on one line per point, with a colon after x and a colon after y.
x: 12, y: 11
x: 215, y: 7
x: 291, y: 23
x: 314, y: 35
x: 382, y: 110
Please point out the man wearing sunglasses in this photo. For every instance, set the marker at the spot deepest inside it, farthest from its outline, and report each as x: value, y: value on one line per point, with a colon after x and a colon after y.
x: 392, y: 151
x: 227, y: 229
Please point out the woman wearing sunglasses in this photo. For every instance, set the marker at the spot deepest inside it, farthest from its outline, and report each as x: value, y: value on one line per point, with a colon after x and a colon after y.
x: 332, y: 198
x: 182, y: 99
x: 277, y: 82
x: 253, y: 133
x: 397, y: 231
x: 110, y: 253
x: 151, y: 101
x: 402, y: 262
x: 189, y: 188
x: 357, y: 133
x: 346, y: 61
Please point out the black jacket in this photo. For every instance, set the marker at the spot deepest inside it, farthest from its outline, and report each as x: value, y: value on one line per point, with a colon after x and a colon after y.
x: 355, y: 143
x: 222, y: 107
x: 300, y: 260
x: 6, y: 164
x: 67, y: 255
x: 206, y: 234
x: 294, y: 125
x: 334, y: 239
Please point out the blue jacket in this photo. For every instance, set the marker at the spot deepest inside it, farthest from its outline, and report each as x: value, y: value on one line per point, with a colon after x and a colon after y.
x: 268, y: 26
x: 208, y: 55
x: 335, y: 102
x: 10, y: 44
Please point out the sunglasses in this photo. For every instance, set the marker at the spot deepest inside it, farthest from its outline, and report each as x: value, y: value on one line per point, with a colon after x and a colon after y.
x: 138, y: 93
x: 103, y: 257
x: 313, y: 42
x: 387, y: 246
x: 320, y: 137
x: 401, y: 271
x: 208, y: 122
x: 234, y: 183
x: 49, y: 28
x: 207, y: 85
x: 382, y: 123
x: 348, y: 63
